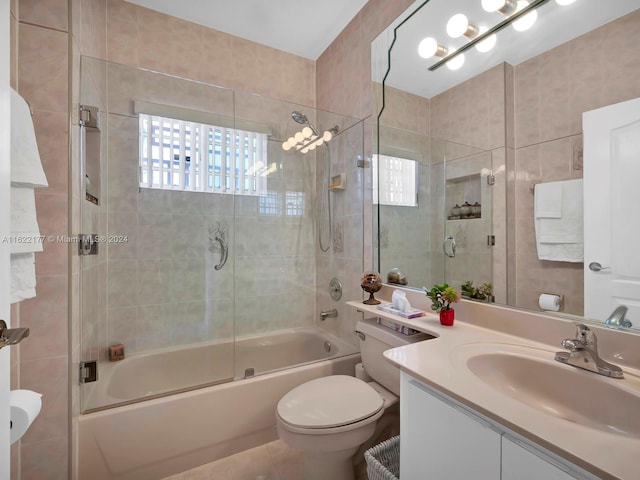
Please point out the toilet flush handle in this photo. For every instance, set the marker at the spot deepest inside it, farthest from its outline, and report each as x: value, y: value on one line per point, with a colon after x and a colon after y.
x: 360, y: 335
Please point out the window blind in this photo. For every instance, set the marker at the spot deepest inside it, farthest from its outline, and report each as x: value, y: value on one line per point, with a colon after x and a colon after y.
x: 192, y: 156
x: 396, y: 181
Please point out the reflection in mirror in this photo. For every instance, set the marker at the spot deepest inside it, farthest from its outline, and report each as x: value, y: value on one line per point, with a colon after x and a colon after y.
x: 506, y: 124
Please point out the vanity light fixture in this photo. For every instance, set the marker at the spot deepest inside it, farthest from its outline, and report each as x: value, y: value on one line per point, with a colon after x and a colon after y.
x: 525, y: 22
x: 456, y: 62
x: 430, y: 47
x: 485, y: 45
x: 497, y: 5
x: 307, y: 140
x: 506, y: 7
x: 459, y: 25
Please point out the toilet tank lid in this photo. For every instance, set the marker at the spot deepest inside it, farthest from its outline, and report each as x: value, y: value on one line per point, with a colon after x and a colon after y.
x: 328, y: 402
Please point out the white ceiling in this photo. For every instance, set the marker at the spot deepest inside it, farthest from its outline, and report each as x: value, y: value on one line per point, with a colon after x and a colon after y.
x: 555, y: 25
x: 302, y: 27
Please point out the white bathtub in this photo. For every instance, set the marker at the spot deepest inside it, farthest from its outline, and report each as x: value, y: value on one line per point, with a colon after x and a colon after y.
x: 163, y: 436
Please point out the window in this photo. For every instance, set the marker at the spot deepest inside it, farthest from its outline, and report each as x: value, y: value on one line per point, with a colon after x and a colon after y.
x: 397, y: 180
x: 181, y: 155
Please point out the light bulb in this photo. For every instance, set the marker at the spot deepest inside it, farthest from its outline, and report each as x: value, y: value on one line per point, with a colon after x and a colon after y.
x: 564, y: 3
x: 285, y: 146
x: 506, y: 7
x: 526, y: 22
x: 429, y: 47
x: 305, y: 150
x: 455, y: 63
x: 307, y: 132
x: 291, y: 141
x: 327, y: 135
x: 312, y: 146
x: 299, y: 137
x: 488, y: 43
x: 459, y: 25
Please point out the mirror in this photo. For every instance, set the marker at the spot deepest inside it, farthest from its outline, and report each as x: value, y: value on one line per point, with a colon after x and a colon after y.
x: 488, y: 133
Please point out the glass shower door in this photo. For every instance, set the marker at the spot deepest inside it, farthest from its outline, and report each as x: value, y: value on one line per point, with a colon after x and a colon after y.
x: 467, y: 215
x: 160, y: 284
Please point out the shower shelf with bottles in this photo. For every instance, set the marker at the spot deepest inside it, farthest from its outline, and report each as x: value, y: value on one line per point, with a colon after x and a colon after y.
x: 463, y: 197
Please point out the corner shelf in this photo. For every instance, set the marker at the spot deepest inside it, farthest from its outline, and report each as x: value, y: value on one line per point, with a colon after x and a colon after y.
x: 424, y: 324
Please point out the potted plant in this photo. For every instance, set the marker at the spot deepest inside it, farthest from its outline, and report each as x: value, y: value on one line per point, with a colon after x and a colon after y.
x: 442, y: 296
x: 484, y: 292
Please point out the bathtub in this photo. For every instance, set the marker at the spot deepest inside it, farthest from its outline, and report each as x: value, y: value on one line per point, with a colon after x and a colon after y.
x: 167, y: 434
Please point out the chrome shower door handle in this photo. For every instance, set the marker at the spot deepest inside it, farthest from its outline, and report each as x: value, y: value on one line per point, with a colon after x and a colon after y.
x: 449, y: 240
x: 224, y: 251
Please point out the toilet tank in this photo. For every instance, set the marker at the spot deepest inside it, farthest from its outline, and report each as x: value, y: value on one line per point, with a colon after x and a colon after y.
x: 377, y: 339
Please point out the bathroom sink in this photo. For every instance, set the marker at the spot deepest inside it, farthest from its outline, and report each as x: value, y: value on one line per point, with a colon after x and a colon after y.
x: 531, y: 376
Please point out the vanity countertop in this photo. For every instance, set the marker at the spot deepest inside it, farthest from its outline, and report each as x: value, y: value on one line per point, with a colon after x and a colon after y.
x: 440, y: 363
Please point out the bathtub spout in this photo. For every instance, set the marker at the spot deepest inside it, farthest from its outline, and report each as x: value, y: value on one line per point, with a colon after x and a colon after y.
x: 328, y: 313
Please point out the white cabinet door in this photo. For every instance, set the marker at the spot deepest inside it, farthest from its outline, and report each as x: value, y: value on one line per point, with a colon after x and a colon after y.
x: 443, y: 441
x: 521, y: 463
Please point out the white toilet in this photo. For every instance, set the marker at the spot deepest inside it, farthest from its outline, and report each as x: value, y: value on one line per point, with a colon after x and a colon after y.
x: 329, y: 418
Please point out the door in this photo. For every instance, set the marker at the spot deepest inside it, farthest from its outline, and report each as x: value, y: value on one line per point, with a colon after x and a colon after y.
x: 4, y: 233
x: 612, y: 223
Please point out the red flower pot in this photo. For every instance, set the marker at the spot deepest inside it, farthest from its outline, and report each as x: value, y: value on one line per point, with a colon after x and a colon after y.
x: 447, y: 316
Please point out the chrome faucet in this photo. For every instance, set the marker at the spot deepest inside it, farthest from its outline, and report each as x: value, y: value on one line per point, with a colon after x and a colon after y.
x: 328, y: 313
x: 583, y: 353
x: 616, y: 319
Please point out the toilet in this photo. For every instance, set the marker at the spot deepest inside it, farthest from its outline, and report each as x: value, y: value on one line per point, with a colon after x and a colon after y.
x: 330, y: 418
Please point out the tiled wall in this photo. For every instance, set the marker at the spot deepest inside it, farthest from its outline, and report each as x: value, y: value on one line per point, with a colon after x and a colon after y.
x: 551, y: 92
x: 343, y: 85
x: 39, y: 73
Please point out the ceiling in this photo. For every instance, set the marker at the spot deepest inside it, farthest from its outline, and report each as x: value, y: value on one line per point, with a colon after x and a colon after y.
x: 555, y: 25
x: 301, y: 27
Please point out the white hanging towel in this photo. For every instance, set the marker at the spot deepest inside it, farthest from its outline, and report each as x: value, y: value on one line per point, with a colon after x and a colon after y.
x: 26, y: 167
x: 559, y: 238
x: 26, y: 174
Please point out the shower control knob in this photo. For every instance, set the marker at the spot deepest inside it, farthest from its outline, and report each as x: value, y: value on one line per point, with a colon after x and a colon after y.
x: 335, y: 289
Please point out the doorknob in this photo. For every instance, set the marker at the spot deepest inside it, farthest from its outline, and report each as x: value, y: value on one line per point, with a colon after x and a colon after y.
x: 596, y: 267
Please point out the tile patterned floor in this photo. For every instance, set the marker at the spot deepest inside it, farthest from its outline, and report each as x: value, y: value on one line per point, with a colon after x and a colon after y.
x: 272, y: 461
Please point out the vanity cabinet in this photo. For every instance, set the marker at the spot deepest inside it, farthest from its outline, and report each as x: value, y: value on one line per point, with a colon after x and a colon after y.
x: 443, y: 439
x: 440, y: 440
x: 520, y: 462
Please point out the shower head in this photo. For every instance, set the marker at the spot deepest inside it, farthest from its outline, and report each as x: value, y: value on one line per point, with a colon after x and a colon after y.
x: 299, y: 117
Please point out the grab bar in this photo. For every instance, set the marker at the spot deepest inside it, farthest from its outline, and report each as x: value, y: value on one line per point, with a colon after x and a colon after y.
x: 224, y: 251
x: 449, y: 238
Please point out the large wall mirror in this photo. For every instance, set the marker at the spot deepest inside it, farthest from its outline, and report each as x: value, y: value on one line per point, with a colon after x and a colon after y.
x: 508, y: 179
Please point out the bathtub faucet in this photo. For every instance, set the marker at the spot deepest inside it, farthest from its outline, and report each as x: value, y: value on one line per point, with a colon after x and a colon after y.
x: 328, y: 313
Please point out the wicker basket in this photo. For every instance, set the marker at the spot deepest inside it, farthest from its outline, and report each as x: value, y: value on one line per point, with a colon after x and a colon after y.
x: 383, y: 460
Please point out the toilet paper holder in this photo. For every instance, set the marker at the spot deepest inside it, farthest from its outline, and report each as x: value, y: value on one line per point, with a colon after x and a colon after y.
x: 11, y: 336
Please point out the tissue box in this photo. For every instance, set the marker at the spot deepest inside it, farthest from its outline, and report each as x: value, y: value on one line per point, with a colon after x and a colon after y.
x: 398, y: 328
x: 413, y: 313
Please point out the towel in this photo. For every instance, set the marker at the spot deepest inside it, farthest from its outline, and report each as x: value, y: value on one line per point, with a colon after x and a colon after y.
x: 26, y: 168
x: 26, y: 174
x: 25, y: 233
x: 23, y: 276
x: 561, y: 238
x: 548, y: 200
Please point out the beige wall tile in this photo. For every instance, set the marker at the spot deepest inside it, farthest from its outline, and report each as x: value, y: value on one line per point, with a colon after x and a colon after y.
x: 45, y: 13
x: 43, y: 50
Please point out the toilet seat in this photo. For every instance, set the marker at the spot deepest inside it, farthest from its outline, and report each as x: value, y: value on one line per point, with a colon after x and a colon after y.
x: 334, y: 403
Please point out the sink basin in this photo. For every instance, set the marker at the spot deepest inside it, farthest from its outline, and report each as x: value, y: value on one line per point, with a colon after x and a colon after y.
x: 532, y: 377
